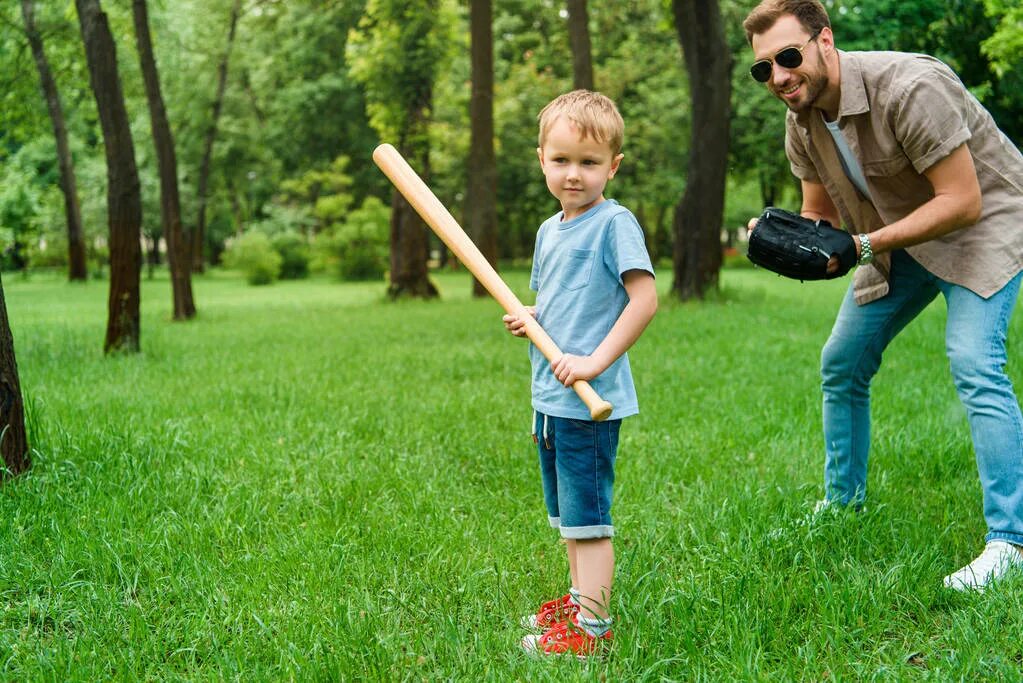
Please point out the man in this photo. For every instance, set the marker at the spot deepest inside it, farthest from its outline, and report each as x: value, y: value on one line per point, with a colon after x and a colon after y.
x: 893, y: 147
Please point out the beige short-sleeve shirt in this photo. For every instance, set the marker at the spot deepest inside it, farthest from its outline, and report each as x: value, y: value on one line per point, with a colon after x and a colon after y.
x: 901, y: 113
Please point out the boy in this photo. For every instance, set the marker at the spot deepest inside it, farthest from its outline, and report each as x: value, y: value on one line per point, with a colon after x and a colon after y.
x: 595, y: 295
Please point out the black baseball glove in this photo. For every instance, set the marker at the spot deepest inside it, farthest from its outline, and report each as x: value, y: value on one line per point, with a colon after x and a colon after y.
x: 799, y: 248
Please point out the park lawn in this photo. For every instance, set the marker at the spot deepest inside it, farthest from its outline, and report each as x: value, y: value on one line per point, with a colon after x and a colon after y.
x: 310, y: 483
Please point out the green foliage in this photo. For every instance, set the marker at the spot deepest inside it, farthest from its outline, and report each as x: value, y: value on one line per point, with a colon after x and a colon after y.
x: 294, y: 252
x: 1005, y: 46
x: 395, y: 53
x: 253, y: 253
x: 325, y: 194
x: 357, y: 249
x: 44, y: 253
x: 284, y: 218
x: 295, y: 73
x: 306, y: 78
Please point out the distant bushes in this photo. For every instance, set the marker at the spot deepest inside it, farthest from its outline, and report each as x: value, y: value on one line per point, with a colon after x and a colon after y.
x: 311, y: 227
x: 358, y: 248
x: 253, y: 253
x: 355, y: 248
x: 294, y: 252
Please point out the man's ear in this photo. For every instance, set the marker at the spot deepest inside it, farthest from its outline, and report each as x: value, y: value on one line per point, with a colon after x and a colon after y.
x: 614, y: 165
x: 827, y: 39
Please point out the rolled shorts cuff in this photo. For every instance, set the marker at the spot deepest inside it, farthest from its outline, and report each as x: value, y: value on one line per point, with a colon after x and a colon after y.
x: 555, y: 522
x: 587, y: 532
x: 1015, y: 539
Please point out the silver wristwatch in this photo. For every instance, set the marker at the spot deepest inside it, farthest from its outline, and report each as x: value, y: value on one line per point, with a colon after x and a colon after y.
x: 866, y: 253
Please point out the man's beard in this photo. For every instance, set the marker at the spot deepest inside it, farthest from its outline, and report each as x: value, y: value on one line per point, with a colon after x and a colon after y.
x: 814, y: 83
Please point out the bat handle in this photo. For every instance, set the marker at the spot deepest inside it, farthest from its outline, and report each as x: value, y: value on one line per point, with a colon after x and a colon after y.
x: 600, y: 409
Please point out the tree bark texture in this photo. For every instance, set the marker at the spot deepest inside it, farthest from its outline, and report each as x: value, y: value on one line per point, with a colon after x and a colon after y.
x: 480, y: 207
x: 582, y: 54
x: 199, y: 235
x: 410, y: 244
x: 579, y: 39
x: 77, y: 268
x: 698, y: 216
x: 13, y: 440
x: 124, y: 203
x: 178, y: 244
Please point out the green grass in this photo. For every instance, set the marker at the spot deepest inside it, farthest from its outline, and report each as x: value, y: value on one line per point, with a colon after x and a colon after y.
x: 307, y: 482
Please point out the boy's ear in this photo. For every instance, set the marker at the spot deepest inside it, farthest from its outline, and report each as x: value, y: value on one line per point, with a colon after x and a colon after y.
x: 539, y: 154
x: 614, y: 165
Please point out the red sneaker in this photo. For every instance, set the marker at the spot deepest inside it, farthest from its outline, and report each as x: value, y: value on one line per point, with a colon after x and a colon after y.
x: 567, y: 638
x: 550, y: 613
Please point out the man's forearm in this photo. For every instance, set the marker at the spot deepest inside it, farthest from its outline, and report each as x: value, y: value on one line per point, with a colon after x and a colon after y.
x: 940, y: 216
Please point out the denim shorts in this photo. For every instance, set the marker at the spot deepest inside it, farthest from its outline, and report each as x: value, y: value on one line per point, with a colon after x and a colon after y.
x: 577, y: 463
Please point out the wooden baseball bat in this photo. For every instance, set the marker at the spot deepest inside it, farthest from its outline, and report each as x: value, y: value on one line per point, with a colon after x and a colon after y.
x: 426, y: 204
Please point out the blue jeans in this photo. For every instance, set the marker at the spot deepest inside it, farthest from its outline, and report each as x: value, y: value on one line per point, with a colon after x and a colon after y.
x: 577, y: 464
x: 975, y: 343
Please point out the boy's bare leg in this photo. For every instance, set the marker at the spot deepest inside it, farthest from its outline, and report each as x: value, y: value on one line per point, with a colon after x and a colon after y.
x: 573, y: 563
x: 595, y: 567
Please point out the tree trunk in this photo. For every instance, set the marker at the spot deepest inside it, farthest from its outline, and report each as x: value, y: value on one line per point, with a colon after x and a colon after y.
x: 480, y: 209
x: 199, y: 236
x: 579, y: 39
x: 178, y: 252
x: 698, y: 216
x: 409, y: 236
x: 13, y: 441
x: 77, y: 269
x: 124, y: 204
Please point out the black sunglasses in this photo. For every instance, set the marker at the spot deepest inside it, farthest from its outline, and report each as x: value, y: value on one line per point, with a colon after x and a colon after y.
x: 790, y: 58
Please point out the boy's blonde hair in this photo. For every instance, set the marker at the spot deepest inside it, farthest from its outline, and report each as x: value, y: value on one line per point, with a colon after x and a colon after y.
x: 595, y: 115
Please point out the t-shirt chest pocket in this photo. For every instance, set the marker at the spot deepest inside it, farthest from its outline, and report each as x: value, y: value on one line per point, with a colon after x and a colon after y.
x: 575, y: 272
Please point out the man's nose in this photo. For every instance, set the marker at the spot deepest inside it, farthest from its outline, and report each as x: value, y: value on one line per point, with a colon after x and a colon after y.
x: 779, y: 74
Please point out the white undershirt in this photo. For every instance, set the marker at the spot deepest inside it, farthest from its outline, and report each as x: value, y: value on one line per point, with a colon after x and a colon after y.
x: 850, y: 164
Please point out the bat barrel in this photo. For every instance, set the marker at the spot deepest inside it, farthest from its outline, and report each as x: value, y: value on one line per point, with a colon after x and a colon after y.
x: 440, y: 220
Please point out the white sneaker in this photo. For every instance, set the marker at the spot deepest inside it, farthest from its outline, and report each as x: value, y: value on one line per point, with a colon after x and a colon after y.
x: 997, y: 559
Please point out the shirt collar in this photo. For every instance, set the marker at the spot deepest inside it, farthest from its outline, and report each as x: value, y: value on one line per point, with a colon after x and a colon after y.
x: 852, y: 95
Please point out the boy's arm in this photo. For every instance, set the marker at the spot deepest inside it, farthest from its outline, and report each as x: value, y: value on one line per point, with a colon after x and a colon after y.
x: 639, y: 284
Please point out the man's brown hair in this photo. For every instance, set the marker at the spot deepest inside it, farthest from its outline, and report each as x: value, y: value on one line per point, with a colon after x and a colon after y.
x: 810, y: 13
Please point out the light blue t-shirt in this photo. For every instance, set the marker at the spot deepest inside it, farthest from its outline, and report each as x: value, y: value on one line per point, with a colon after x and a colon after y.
x: 577, y: 275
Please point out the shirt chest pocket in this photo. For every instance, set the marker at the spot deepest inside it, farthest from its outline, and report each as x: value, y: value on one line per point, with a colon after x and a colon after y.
x: 575, y: 273
x: 885, y: 168
x: 896, y: 184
